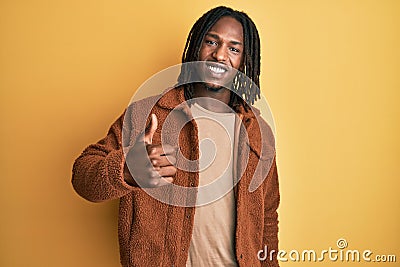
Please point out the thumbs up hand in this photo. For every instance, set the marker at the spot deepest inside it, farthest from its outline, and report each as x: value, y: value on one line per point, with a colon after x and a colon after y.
x: 150, y: 165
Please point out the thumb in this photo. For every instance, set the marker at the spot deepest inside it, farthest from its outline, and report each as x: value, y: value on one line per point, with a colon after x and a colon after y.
x: 150, y: 130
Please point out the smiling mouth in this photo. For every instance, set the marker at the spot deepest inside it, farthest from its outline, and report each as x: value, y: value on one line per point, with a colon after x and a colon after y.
x: 217, y: 68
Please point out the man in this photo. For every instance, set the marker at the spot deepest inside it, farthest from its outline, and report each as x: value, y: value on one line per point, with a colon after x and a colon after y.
x: 169, y: 215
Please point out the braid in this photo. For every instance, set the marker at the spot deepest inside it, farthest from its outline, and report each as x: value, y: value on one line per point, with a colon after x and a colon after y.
x: 246, y: 93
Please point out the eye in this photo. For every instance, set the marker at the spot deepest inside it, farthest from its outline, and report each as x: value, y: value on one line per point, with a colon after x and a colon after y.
x: 210, y: 42
x: 234, y: 50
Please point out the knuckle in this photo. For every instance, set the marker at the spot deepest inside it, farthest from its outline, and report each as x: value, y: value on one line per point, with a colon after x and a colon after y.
x: 151, y: 149
x: 153, y: 182
x: 154, y: 174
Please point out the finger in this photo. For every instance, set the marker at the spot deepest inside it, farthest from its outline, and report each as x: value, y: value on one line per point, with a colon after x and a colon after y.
x: 169, y: 160
x: 154, y: 179
x: 167, y: 171
x: 150, y: 130
x: 165, y: 181
x: 154, y: 174
x: 163, y: 161
x: 153, y: 182
x: 161, y: 150
x: 169, y: 150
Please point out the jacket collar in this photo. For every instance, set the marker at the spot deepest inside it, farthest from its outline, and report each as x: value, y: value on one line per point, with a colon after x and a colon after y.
x: 173, y: 98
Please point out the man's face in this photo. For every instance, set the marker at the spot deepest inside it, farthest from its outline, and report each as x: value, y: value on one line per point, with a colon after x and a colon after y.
x: 222, y: 49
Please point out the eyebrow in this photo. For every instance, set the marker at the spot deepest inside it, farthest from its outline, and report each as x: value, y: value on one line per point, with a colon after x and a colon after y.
x: 216, y: 36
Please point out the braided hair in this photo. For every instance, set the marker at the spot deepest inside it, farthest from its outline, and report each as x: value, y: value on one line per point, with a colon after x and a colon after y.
x: 246, y: 92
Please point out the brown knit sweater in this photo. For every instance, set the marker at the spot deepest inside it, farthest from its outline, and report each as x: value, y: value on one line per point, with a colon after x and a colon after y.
x: 152, y: 233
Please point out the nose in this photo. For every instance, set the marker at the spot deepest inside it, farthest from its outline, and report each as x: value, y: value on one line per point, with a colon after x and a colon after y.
x: 220, y: 54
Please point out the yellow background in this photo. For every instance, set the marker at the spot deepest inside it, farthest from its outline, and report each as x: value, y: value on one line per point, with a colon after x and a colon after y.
x: 329, y: 71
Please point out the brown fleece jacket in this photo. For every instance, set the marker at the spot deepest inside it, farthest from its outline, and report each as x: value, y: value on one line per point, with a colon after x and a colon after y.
x: 152, y: 233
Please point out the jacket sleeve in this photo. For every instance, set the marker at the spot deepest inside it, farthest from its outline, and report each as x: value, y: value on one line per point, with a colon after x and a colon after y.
x: 98, y: 173
x: 271, y: 203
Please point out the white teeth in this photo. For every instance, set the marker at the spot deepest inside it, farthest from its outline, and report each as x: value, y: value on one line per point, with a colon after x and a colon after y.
x: 216, y: 69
